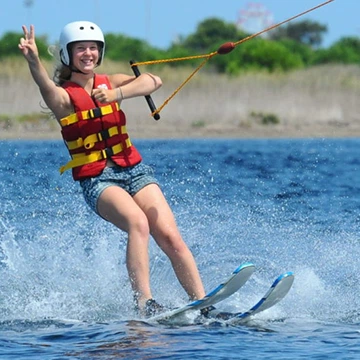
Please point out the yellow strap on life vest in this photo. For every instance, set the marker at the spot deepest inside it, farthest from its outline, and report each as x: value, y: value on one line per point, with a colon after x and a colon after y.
x: 83, y: 158
x: 88, y: 114
x: 90, y: 140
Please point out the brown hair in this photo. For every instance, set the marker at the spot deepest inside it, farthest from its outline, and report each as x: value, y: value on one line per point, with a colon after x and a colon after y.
x: 62, y: 74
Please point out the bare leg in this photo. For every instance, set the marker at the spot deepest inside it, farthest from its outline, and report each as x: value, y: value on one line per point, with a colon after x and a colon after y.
x: 118, y: 207
x: 165, y: 232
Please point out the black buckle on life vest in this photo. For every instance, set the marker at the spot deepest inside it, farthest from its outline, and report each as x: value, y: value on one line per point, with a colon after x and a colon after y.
x: 103, y: 135
x: 95, y: 113
x: 109, y: 152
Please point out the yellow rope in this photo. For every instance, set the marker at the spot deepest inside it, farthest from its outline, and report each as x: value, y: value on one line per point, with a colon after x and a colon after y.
x: 183, y: 84
x: 207, y: 57
x: 172, y: 60
x: 281, y: 23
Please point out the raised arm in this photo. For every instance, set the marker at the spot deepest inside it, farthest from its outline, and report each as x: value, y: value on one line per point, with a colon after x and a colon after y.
x: 55, y: 97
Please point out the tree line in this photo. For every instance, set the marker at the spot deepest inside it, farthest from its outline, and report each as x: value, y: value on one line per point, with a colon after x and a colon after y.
x: 292, y: 46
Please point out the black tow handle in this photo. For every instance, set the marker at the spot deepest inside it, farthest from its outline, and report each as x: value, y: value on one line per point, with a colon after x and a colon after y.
x: 148, y: 98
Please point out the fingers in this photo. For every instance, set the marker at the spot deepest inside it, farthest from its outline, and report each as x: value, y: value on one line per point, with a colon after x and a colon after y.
x: 27, y: 42
x: 32, y: 32
x: 28, y: 35
x: 25, y: 30
x: 22, y: 43
x: 101, y: 95
x: 97, y: 93
x: 94, y: 93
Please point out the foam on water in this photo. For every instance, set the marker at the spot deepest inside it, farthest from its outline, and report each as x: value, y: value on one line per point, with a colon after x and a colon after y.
x: 60, y: 261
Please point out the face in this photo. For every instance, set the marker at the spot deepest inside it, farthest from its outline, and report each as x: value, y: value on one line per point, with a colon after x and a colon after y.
x: 85, y: 55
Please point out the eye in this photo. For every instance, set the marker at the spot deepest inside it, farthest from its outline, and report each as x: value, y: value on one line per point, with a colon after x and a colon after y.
x: 79, y: 48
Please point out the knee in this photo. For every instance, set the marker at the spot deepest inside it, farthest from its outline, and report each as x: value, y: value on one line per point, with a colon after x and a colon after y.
x: 172, y: 244
x: 139, y: 225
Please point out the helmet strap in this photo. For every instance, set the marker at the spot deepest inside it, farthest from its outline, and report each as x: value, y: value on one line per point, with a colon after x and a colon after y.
x: 75, y: 70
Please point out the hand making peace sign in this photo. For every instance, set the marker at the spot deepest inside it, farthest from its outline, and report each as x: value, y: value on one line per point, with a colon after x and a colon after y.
x: 28, y: 45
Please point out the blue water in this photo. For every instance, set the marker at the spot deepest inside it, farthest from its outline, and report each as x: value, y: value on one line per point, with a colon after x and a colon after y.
x: 285, y: 205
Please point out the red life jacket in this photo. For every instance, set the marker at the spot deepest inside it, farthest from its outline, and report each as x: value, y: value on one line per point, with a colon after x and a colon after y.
x: 95, y: 132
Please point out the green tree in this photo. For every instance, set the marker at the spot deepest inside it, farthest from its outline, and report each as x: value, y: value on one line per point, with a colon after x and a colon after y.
x: 9, y: 45
x: 210, y: 34
x: 344, y: 51
x: 124, y: 48
x: 258, y: 54
x: 305, y: 52
x: 306, y: 32
x: 176, y: 50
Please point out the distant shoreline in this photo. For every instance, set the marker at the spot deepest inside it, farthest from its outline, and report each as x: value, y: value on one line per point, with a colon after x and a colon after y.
x: 319, y: 102
x: 164, y: 131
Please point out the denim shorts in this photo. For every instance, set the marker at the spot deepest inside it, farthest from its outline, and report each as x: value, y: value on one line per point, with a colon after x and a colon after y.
x: 131, y: 179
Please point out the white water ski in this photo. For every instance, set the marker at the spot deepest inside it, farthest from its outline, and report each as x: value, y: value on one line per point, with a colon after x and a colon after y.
x: 237, y: 279
x: 274, y: 295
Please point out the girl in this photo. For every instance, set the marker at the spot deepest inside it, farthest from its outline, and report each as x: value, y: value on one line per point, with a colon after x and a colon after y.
x: 115, y: 182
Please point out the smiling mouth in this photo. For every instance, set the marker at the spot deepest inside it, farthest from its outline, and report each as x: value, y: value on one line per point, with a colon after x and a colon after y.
x: 87, y: 61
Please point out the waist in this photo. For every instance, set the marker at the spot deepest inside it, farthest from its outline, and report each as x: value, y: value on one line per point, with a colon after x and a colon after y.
x: 110, y: 163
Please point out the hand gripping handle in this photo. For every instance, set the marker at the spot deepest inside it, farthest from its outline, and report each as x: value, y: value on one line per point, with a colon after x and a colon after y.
x: 148, y: 98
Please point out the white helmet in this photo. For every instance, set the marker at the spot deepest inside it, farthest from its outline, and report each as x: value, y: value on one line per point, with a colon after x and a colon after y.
x: 80, y: 31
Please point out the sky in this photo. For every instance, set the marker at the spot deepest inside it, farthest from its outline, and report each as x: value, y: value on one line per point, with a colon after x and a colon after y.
x: 161, y: 22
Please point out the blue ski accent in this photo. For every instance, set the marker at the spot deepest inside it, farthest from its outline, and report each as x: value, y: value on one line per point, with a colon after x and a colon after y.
x: 237, y: 279
x: 276, y: 293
